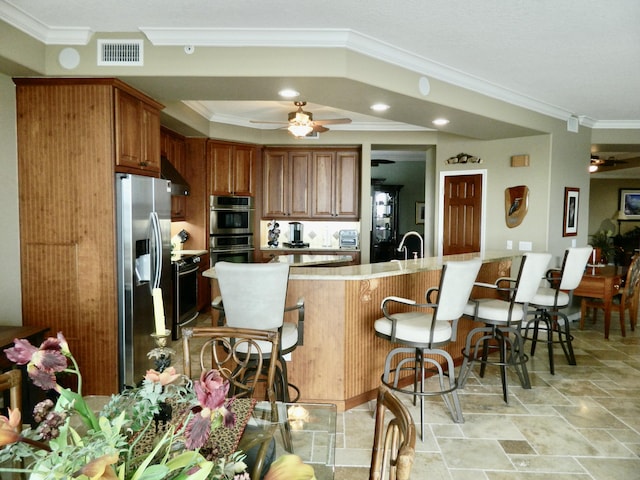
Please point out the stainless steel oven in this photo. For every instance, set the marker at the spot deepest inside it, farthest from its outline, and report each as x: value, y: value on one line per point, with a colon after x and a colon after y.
x: 185, y: 292
x: 230, y: 215
x: 234, y: 255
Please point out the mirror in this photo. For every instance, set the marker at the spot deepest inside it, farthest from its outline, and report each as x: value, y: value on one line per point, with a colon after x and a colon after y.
x: 516, y: 204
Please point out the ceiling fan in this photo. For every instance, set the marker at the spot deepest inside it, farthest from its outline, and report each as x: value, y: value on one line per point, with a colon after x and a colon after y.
x: 301, y: 123
x: 597, y: 162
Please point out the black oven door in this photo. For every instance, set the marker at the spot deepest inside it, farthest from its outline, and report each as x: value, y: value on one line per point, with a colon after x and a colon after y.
x: 231, y: 222
x: 238, y: 255
x: 185, y: 304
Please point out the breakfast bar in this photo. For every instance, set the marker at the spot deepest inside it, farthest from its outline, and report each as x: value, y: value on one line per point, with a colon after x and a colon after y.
x: 341, y: 359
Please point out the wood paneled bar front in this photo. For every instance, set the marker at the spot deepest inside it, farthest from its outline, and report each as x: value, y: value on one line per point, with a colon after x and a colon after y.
x: 341, y: 360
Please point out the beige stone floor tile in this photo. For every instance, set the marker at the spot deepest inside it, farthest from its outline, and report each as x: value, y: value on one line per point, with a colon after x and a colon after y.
x: 612, y: 468
x: 474, y: 453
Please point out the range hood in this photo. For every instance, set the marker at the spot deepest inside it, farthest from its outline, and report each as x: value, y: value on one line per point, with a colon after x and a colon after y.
x: 179, y: 185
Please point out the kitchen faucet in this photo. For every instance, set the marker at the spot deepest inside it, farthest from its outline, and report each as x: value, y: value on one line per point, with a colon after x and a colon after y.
x: 404, y: 237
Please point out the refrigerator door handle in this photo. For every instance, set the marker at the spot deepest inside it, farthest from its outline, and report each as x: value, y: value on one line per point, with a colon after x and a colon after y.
x: 156, y: 250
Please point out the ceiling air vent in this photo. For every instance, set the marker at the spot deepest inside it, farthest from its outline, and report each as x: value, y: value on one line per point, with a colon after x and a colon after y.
x: 127, y: 53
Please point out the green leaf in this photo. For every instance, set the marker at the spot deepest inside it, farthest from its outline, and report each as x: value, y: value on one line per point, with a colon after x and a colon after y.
x: 154, y: 472
x: 80, y: 406
x: 185, y: 459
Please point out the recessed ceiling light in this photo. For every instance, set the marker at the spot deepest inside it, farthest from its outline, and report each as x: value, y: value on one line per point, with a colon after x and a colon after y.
x: 380, y: 107
x: 440, y: 121
x: 288, y: 93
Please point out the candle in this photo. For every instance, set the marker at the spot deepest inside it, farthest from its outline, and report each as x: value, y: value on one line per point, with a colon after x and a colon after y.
x: 158, y: 309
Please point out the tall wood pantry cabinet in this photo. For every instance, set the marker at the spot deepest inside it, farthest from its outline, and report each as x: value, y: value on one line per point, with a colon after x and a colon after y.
x: 73, y: 135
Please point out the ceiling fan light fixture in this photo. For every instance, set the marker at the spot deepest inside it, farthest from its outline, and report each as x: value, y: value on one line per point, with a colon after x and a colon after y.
x: 440, y: 121
x: 300, y: 131
x: 593, y: 168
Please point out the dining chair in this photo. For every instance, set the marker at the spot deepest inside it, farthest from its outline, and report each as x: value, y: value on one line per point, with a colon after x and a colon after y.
x: 253, y: 295
x: 394, y: 439
x: 502, y: 320
x: 11, y: 381
x: 549, y: 300
x: 422, y: 329
x: 626, y: 300
x: 242, y: 356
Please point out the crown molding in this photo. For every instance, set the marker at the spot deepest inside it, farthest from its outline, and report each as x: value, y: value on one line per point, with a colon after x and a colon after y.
x: 617, y: 124
x: 38, y: 30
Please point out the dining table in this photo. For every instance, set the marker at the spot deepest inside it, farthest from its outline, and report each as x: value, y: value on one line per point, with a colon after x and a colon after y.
x: 602, y: 282
x: 311, y: 428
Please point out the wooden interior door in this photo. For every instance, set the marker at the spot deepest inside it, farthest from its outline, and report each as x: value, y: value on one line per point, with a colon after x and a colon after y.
x: 462, y: 214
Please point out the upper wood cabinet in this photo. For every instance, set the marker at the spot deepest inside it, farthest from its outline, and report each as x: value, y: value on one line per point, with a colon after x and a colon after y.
x: 231, y: 168
x: 286, y: 183
x: 137, y: 134
x: 311, y: 183
x: 336, y: 184
x: 173, y: 147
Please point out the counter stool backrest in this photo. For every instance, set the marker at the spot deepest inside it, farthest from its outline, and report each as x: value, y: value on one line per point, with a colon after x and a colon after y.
x: 575, y: 260
x: 530, y: 275
x: 455, y: 288
x: 253, y: 294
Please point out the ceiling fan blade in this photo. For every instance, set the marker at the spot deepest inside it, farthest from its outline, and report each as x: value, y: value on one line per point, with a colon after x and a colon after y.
x: 265, y: 121
x: 332, y: 121
x: 320, y: 129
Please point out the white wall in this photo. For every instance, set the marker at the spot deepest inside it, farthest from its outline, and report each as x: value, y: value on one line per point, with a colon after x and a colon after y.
x: 10, y: 292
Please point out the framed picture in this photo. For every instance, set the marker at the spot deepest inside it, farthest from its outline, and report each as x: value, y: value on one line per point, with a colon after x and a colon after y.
x: 419, y: 212
x: 629, y: 205
x: 570, y: 218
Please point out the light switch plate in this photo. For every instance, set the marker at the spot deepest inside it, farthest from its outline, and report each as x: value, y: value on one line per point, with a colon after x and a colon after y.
x: 509, y: 245
x: 525, y: 246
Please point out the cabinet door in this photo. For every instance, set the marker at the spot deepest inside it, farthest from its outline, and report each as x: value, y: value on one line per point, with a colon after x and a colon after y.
x: 150, y: 138
x: 219, y: 168
x: 347, y: 189
x: 298, y: 175
x: 274, y: 183
x: 242, y: 169
x: 323, y: 191
x: 128, y: 130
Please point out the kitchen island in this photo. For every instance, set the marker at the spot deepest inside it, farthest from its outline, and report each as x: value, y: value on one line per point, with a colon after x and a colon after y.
x: 303, y: 260
x: 341, y: 360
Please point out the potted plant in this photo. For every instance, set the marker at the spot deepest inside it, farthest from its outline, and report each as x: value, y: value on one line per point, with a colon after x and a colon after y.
x: 602, y: 243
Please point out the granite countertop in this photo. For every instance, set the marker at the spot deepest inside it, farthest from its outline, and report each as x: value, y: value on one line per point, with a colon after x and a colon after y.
x: 301, y: 260
x: 385, y: 269
x: 282, y: 248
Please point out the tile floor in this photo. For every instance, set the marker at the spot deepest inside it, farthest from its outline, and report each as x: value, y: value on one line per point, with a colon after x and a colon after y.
x: 581, y: 423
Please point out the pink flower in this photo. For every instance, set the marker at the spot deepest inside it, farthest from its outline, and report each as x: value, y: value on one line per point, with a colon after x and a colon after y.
x: 211, y: 389
x: 10, y: 427
x: 198, y: 429
x: 167, y: 376
x: 21, y: 352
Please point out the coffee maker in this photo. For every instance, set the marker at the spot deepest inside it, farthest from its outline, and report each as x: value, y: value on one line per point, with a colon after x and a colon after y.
x: 296, y: 234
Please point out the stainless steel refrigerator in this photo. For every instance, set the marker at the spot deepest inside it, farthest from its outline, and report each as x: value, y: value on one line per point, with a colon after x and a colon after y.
x: 144, y: 262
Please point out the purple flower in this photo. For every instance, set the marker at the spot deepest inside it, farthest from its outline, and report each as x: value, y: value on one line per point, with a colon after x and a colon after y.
x: 198, y: 430
x: 211, y: 389
x: 42, y: 363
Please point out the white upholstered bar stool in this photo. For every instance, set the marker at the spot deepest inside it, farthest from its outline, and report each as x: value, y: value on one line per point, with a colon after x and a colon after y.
x: 549, y: 300
x: 422, y: 329
x: 502, y: 320
x: 253, y: 296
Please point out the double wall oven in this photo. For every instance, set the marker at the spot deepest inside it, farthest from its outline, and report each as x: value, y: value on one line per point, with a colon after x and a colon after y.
x: 231, y: 229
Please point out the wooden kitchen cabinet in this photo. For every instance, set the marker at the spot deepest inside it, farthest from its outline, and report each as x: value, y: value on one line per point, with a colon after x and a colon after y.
x: 173, y: 147
x: 231, y: 168
x: 137, y: 134
x: 68, y: 145
x: 305, y: 183
x: 286, y: 182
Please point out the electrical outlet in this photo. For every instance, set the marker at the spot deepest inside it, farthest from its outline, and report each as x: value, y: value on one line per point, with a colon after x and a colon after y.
x: 509, y: 245
x: 525, y: 246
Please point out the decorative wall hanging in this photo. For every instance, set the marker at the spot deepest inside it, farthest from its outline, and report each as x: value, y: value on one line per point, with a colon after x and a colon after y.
x: 463, y: 158
x: 516, y: 204
x: 629, y: 205
x: 570, y: 217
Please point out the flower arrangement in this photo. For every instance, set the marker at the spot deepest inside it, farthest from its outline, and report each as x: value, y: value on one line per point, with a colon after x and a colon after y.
x: 108, y: 445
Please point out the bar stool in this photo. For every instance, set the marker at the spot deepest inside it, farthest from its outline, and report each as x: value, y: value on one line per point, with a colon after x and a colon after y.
x: 423, y: 331
x: 548, y: 301
x: 253, y: 296
x: 502, y: 321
